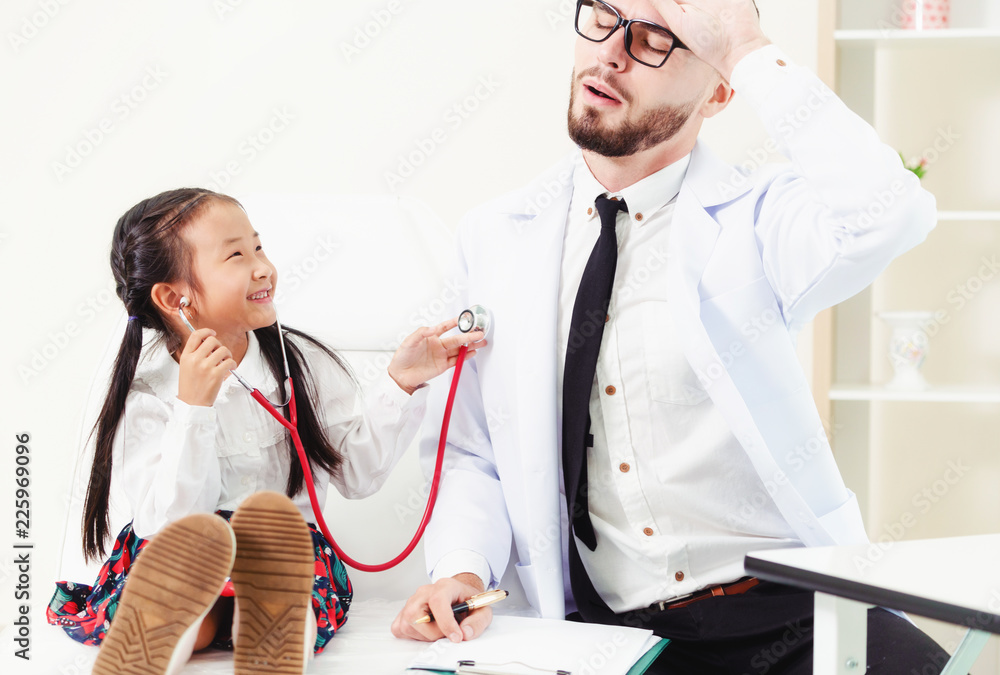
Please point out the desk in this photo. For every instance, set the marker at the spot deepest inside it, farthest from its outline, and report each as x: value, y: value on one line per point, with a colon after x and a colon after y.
x: 364, y: 645
x: 956, y: 580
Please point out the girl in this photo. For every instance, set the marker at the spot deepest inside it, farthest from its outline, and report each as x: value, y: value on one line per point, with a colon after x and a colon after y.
x: 189, y: 442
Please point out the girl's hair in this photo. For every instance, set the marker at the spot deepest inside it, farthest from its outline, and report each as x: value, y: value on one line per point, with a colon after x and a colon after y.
x: 146, y: 249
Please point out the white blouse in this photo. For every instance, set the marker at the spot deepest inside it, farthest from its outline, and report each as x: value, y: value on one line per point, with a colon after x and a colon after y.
x: 176, y: 459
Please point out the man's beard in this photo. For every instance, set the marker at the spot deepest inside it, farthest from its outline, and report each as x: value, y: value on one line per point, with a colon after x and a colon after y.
x: 631, y: 136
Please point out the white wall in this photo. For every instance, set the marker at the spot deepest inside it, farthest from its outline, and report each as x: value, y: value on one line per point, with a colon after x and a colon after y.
x: 160, y: 95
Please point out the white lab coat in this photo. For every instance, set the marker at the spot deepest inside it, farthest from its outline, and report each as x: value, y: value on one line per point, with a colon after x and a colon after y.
x: 752, y: 258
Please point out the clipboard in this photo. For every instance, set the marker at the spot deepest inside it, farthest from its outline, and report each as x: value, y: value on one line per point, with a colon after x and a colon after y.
x: 525, y: 646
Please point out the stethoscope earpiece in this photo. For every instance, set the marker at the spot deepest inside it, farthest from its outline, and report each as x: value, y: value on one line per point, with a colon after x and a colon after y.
x: 180, y: 310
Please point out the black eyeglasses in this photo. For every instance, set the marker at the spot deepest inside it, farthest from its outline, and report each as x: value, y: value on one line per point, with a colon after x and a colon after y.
x: 646, y: 42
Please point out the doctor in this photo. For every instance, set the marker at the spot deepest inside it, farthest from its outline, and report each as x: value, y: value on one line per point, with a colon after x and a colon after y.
x: 640, y: 421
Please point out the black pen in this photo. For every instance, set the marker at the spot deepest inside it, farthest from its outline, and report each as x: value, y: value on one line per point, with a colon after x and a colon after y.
x: 475, y: 602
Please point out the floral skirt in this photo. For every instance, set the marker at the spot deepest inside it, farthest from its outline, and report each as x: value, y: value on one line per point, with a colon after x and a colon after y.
x: 86, y: 612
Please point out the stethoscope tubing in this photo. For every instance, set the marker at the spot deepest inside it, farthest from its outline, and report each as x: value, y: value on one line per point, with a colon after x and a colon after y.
x: 292, y: 422
x: 292, y: 426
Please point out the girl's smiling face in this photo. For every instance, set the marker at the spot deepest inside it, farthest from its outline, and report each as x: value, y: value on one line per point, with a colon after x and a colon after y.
x: 236, y: 281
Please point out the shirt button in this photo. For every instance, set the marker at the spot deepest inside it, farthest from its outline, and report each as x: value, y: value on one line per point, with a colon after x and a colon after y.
x: 781, y: 63
x: 624, y: 467
x: 246, y: 480
x: 638, y: 217
x: 648, y: 532
x: 610, y: 391
x: 248, y: 437
x: 679, y: 576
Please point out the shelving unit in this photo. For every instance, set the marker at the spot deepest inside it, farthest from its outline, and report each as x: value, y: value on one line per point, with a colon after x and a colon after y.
x: 867, y: 59
x: 892, y: 444
x: 938, y: 394
x: 952, y: 37
x: 969, y: 216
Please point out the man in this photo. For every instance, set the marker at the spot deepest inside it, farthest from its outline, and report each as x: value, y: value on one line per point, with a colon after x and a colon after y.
x: 640, y: 421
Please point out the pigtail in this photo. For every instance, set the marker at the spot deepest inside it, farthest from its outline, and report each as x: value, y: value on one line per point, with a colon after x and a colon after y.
x: 319, y: 450
x: 96, y: 519
x: 146, y: 249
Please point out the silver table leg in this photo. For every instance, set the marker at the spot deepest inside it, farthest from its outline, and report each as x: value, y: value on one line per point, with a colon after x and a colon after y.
x: 841, y: 636
x: 967, y: 653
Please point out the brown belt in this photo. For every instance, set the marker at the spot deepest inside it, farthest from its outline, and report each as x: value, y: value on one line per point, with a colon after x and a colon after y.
x: 735, y: 588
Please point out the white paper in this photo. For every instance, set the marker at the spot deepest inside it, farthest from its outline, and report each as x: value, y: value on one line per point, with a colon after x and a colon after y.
x: 522, y: 646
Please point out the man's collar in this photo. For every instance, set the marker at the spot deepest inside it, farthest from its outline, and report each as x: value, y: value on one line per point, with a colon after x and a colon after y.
x: 644, y: 198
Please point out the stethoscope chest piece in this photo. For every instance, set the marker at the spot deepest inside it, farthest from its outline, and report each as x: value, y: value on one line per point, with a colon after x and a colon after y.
x: 476, y: 317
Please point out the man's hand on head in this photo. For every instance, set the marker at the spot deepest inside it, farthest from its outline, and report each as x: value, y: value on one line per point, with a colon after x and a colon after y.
x: 438, y: 599
x: 719, y: 32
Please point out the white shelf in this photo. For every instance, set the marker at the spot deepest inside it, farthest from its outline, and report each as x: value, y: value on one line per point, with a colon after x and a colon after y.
x: 937, y: 394
x: 950, y: 37
x: 968, y: 216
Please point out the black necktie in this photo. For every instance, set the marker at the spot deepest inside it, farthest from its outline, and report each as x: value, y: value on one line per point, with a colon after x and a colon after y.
x: 585, y: 333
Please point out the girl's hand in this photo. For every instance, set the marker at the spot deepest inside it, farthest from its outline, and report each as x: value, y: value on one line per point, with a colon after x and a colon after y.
x: 425, y: 354
x: 205, y: 363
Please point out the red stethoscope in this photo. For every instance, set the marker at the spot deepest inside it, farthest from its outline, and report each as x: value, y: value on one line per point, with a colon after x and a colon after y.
x: 472, y: 319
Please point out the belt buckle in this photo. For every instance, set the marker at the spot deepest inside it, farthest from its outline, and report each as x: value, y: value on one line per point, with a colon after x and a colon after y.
x: 664, y: 604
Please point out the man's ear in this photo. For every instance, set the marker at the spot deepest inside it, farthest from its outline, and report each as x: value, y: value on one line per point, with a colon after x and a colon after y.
x: 718, y: 101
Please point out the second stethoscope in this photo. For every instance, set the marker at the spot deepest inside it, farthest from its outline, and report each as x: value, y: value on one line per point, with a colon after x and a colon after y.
x: 472, y: 319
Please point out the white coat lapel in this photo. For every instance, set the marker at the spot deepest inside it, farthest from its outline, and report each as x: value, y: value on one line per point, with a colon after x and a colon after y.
x: 538, y: 240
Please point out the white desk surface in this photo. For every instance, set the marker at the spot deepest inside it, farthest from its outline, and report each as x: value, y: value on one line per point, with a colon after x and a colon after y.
x: 364, y: 645
x: 955, y: 580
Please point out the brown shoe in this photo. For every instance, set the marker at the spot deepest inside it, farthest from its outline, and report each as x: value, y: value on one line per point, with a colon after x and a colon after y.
x: 171, y: 586
x: 273, y: 625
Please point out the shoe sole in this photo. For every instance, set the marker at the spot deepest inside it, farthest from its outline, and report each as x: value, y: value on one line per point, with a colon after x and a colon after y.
x: 171, y: 585
x: 273, y: 581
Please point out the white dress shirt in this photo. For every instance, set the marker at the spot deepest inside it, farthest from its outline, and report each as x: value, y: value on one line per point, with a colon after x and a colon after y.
x: 177, y: 459
x: 665, y: 474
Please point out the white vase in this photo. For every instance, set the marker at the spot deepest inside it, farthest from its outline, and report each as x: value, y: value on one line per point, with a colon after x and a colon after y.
x: 908, y: 347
